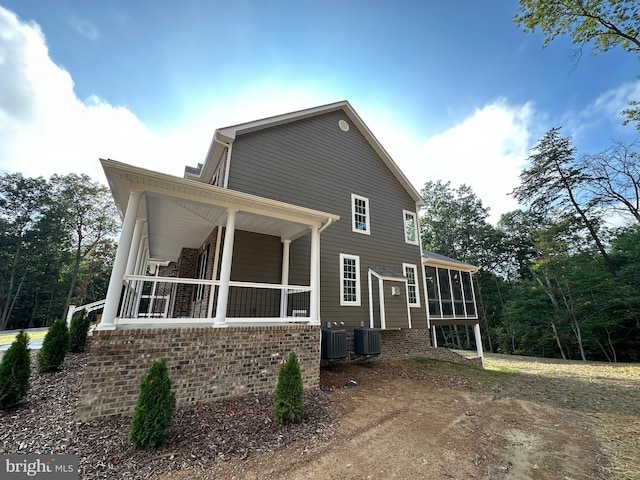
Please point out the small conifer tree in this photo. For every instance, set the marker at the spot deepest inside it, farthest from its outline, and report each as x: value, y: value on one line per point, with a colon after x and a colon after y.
x: 54, y: 347
x: 156, y: 403
x: 289, y: 399
x: 15, y: 370
x: 78, y: 330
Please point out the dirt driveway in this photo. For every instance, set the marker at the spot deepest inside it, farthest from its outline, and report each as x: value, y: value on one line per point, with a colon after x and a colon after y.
x: 394, y: 424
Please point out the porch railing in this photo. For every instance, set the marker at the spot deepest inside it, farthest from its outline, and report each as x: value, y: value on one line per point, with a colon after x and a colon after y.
x: 148, y: 299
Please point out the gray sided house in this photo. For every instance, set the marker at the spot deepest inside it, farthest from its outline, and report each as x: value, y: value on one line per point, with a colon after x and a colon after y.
x: 292, y: 223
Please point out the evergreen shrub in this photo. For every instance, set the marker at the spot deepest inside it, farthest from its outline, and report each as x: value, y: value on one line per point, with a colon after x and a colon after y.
x: 54, y: 347
x: 289, y: 398
x: 156, y: 403
x: 15, y: 371
x: 78, y: 331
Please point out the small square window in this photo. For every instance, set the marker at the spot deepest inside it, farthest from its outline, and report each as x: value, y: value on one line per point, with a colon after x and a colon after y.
x: 410, y: 227
x: 360, y: 214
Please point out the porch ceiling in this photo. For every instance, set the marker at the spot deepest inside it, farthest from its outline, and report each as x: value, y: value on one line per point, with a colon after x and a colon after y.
x: 181, y: 213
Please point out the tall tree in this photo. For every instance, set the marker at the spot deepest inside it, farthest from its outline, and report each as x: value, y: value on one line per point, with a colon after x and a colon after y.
x: 454, y: 222
x: 86, y: 209
x: 615, y: 178
x: 554, y: 186
x: 22, y: 204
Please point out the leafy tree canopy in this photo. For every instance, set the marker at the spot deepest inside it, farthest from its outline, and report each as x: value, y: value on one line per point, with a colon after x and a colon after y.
x: 605, y: 24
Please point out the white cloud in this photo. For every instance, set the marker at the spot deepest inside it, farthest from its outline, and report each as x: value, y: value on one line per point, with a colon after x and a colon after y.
x: 46, y: 129
x: 486, y: 152
x: 603, y: 114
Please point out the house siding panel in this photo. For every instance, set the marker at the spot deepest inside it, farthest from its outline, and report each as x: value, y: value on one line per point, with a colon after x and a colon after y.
x: 313, y: 163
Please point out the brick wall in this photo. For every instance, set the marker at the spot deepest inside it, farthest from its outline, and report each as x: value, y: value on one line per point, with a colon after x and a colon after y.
x: 409, y: 343
x: 204, y: 363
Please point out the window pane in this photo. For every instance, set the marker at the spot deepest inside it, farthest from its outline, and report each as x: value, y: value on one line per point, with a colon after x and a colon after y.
x: 412, y: 294
x: 350, y: 280
x: 360, y: 214
x: 432, y: 292
x: 445, y: 292
x: 468, y: 294
x: 457, y: 293
x: 410, y: 227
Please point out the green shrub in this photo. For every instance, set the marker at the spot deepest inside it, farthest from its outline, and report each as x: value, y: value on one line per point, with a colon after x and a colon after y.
x: 80, y: 323
x: 156, y: 403
x: 54, y: 347
x: 15, y: 370
x: 288, y: 403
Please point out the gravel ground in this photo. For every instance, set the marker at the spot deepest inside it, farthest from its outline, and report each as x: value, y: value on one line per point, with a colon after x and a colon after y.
x: 200, y: 436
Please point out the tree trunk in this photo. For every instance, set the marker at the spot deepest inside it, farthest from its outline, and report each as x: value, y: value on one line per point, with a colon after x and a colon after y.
x: 613, y: 350
x: 456, y: 336
x: 555, y: 335
x: 9, y: 300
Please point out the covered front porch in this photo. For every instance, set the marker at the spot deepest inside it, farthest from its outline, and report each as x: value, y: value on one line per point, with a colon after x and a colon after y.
x: 169, y: 221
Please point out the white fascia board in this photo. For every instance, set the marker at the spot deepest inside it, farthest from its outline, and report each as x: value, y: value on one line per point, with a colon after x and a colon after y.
x: 463, y: 267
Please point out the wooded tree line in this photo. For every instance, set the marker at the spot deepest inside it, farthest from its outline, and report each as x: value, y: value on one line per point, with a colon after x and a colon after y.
x: 56, y: 246
x: 560, y: 277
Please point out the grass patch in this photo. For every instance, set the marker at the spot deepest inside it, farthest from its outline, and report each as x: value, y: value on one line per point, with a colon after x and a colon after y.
x: 37, y: 335
x: 608, y: 393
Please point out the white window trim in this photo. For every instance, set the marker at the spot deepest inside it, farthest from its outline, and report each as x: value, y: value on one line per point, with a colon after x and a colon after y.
x: 343, y: 302
x: 415, y: 285
x: 355, y: 197
x: 415, y: 227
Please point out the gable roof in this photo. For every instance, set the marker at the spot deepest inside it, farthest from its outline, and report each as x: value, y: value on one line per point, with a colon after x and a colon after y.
x: 432, y: 258
x: 223, y: 138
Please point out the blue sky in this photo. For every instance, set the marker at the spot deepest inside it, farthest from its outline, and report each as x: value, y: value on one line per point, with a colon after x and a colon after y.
x: 453, y: 90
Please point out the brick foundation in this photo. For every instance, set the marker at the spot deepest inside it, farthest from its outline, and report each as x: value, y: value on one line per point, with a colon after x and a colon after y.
x: 411, y: 343
x: 204, y: 363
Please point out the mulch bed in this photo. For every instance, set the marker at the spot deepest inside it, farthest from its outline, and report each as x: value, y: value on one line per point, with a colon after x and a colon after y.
x: 200, y: 436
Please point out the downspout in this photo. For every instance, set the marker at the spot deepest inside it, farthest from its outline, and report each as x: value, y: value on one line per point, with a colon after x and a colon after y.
x: 324, y: 227
x: 227, y: 164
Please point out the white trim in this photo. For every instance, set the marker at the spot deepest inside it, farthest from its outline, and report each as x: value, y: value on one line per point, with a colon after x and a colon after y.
x: 426, y: 294
x: 415, y: 284
x: 343, y: 302
x: 416, y: 236
x: 367, y: 216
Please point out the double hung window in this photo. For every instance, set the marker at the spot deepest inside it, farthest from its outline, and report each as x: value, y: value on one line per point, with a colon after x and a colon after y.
x: 349, y: 280
x: 360, y: 214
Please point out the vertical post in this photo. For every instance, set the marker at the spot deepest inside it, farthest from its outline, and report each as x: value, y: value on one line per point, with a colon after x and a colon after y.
x: 225, y: 270
x: 314, y: 280
x: 120, y: 262
x: 286, y: 244
x: 476, y: 331
x: 132, y: 261
x: 434, y: 338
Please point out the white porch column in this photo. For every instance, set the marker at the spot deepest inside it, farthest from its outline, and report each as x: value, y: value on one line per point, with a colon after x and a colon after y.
x: 120, y: 262
x: 314, y: 279
x: 132, y: 263
x: 286, y: 244
x: 134, y: 251
x: 476, y: 331
x: 225, y: 269
x: 434, y: 338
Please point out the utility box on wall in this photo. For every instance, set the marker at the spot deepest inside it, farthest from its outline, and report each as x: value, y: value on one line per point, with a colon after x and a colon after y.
x: 366, y: 341
x: 334, y: 344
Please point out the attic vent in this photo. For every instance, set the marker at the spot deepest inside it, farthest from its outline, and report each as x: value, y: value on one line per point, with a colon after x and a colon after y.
x: 344, y: 126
